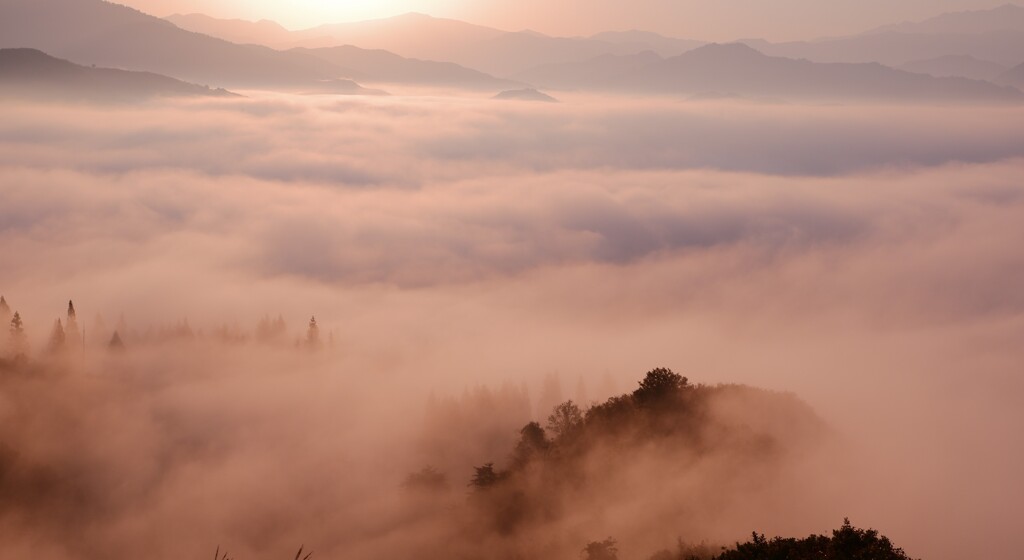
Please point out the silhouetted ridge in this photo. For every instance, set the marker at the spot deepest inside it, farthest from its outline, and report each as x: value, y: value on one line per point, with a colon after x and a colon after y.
x: 963, y: 66
x: 110, y: 35
x: 1004, y: 17
x: 994, y: 35
x: 35, y: 74
x: 736, y: 69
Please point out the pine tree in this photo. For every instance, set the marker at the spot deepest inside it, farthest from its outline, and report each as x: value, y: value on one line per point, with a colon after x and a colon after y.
x: 116, y: 344
x: 18, y: 343
x: 73, y: 338
x: 313, y: 335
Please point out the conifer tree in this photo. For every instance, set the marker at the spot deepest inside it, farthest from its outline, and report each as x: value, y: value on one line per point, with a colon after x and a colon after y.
x: 116, y: 344
x: 313, y: 335
x: 73, y: 338
x: 18, y: 343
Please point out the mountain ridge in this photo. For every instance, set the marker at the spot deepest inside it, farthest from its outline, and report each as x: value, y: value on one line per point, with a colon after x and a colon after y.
x: 738, y: 69
x: 33, y: 74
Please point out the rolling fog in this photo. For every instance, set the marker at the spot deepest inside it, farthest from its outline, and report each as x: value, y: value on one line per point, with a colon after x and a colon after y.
x: 472, y: 263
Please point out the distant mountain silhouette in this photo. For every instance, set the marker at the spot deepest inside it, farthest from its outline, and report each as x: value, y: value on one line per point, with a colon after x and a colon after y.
x: 737, y: 69
x: 423, y: 37
x: 996, y: 35
x: 528, y: 94
x: 413, y: 35
x: 386, y: 67
x: 1013, y: 77
x: 1005, y: 17
x: 641, y: 41
x: 110, y: 35
x: 513, y: 53
x: 963, y: 66
x: 33, y: 74
x: 897, y: 49
x: 243, y: 32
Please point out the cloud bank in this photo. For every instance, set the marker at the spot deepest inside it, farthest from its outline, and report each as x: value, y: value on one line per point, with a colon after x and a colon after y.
x: 864, y: 257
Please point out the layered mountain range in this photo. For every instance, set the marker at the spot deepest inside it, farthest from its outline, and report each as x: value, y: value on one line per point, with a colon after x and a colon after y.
x: 965, y: 56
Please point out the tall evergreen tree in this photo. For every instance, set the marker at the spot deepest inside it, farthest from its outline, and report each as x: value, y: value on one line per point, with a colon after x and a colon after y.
x: 73, y: 338
x: 18, y: 342
x: 313, y: 335
x: 116, y: 344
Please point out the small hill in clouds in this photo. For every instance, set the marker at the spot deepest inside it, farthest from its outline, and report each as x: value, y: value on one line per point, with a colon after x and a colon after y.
x: 340, y: 86
x: 737, y: 69
x: 628, y: 453
x: 527, y: 94
x: 32, y: 74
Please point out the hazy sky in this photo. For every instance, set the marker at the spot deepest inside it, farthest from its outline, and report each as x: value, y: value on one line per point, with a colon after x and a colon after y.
x: 702, y: 19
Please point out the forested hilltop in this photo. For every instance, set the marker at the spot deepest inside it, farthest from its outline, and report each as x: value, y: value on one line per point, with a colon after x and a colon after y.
x: 709, y: 447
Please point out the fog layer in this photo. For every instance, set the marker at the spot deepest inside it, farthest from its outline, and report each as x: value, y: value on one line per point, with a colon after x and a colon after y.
x: 865, y: 258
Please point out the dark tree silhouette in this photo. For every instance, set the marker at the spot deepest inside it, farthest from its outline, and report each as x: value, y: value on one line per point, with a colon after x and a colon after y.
x: 532, y: 442
x: 313, y: 335
x: 427, y: 480
x: 73, y: 338
x: 18, y: 343
x: 116, y: 344
x: 846, y: 543
x: 686, y: 551
x: 485, y: 477
x: 601, y: 550
x: 659, y: 384
x: 565, y: 420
